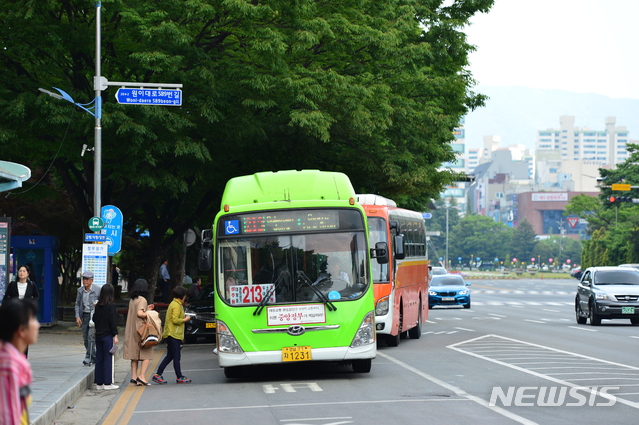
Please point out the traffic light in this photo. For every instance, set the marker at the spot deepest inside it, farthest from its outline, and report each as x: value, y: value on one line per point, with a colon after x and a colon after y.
x: 619, y: 199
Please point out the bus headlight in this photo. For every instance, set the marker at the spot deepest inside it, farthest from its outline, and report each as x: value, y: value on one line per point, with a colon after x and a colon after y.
x: 366, y: 333
x: 226, y: 342
x: 381, y: 308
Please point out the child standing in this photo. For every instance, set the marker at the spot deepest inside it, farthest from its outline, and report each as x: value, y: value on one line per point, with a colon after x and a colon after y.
x: 106, y: 335
x: 174, y: 335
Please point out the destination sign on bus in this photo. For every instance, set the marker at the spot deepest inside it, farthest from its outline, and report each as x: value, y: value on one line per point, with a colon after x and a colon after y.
x: 283, y: 221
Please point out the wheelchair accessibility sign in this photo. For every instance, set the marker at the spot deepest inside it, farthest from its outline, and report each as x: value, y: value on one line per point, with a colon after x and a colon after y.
x: 232, y: 227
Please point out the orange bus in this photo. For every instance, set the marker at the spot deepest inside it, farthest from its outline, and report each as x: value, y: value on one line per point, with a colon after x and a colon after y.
x: 401, y: 285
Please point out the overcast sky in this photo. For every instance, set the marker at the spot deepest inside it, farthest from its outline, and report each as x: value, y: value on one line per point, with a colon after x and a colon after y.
x: 585, y: 46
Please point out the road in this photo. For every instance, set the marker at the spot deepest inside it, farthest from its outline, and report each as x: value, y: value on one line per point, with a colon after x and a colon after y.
x: 518, y: 345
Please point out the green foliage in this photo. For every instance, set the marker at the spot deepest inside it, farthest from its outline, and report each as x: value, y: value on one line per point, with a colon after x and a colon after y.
x: 479, y: 236
x: 559, y: 249
x: 524, y: 242
x: 372, y: 89
x: 613, y: 227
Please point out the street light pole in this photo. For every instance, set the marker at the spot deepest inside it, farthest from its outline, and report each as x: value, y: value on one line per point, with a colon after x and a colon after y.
x: 446, y: 258
x: 97, y: 171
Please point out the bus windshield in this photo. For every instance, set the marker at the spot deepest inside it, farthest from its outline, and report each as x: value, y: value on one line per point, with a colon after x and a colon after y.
x: 292, y: 268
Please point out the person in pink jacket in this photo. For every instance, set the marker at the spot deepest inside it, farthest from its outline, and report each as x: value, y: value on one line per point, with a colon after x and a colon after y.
x: 19, y: 329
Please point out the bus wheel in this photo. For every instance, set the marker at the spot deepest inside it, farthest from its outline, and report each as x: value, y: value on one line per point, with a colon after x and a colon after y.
x: 233, y: 371
x: 392, y: 340
x: 416, y: 332
x: 362, y: 366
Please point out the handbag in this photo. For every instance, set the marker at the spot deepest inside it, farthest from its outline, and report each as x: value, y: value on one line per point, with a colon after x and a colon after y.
x: 148, y: 335
x: 113, y: 349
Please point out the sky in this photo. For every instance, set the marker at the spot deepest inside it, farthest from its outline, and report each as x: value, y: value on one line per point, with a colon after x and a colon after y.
x: 584, y: 46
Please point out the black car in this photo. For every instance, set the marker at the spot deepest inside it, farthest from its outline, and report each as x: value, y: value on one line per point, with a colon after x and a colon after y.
x: 202, y: 312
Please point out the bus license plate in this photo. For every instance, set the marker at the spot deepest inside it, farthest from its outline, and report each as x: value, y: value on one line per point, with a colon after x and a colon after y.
x: 210, y: 325
x: 296, y: 354
x: 627, y: 310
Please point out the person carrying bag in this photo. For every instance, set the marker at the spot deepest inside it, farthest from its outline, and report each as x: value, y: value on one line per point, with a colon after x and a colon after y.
x: 151, y: 331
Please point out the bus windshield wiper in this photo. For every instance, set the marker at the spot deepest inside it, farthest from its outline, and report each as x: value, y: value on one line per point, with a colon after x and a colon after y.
x: 280, y: 279
x: 319, y: 293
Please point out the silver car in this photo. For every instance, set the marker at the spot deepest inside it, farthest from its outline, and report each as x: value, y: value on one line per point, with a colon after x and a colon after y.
x: 607, y: 293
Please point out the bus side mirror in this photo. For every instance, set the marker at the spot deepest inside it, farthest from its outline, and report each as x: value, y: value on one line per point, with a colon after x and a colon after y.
x: 380, y: 252
x: 204, y: 257
x: 400, y: 254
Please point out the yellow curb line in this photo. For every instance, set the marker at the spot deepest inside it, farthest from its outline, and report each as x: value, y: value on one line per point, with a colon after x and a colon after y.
x: 128, y: 400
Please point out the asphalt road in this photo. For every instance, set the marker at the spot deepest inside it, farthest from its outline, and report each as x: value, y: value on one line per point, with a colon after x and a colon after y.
x: 517, y: 356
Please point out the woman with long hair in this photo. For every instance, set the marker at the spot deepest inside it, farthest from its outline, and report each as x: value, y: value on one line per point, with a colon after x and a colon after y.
x: 106, y: 335
x: 138, y: 306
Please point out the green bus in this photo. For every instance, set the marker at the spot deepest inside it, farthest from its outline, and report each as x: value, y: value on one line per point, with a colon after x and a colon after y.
x: 292, y: 269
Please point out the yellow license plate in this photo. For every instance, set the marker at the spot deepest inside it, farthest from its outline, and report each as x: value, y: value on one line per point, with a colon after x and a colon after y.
x: 210, y: 325
x: 296, y: 354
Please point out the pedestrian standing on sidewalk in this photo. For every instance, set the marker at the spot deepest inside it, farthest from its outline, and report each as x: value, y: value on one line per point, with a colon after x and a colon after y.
x: 174, y: 335
x: 106, y: 336
x: 138, y: 306
x: 85, y: 301
x: 19, y: 319
x: 22, y: 288
x: 164, y: 279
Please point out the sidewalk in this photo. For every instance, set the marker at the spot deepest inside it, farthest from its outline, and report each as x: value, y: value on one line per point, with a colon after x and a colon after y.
x: 59, y: 377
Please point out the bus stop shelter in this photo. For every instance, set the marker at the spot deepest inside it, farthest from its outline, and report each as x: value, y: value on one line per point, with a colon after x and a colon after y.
x: 12, y: 175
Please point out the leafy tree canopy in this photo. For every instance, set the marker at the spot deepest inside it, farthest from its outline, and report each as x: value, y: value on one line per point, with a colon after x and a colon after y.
x: 372, y: 89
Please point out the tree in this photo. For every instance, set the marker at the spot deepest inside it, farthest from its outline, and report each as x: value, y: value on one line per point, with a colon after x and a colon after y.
x: 368, y: 88
x: 523, y: 242
x: 559, y: 249
x: 480, y: 236
x: 437, y: 223
x: 612, y: 227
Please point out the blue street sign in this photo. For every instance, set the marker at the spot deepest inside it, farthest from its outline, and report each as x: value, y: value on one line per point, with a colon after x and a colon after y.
x: 158, y: 97
x: 94, y: 237
x: 427, y: 215
x: 112, y: 230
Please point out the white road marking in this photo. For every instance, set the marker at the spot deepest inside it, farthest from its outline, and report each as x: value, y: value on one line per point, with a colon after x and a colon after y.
x: 290, y: 388
x: 464, y: 329
x: 273, y: 406
x: 552, y: 311
x: 583, y: 329
x: 591, y: 361
x: 458, y: 391
x: 534, y: 321
x: 301, y: 421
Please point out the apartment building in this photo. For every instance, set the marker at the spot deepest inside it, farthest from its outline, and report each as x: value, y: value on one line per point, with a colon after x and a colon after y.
x: 605, y: 146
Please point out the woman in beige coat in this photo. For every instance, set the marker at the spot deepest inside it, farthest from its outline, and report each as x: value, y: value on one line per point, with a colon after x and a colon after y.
x: 136, y: 318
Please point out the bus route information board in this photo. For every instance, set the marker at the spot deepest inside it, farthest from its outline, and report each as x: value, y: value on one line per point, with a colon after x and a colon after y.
x: 95, y: 259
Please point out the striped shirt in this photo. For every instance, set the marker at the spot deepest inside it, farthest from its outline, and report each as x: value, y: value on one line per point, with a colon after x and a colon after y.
x: 15, y: 378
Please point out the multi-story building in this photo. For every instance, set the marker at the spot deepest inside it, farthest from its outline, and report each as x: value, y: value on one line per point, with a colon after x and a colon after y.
x: 457, y: 191
x: 472, y: 160
x: 579, y: 143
